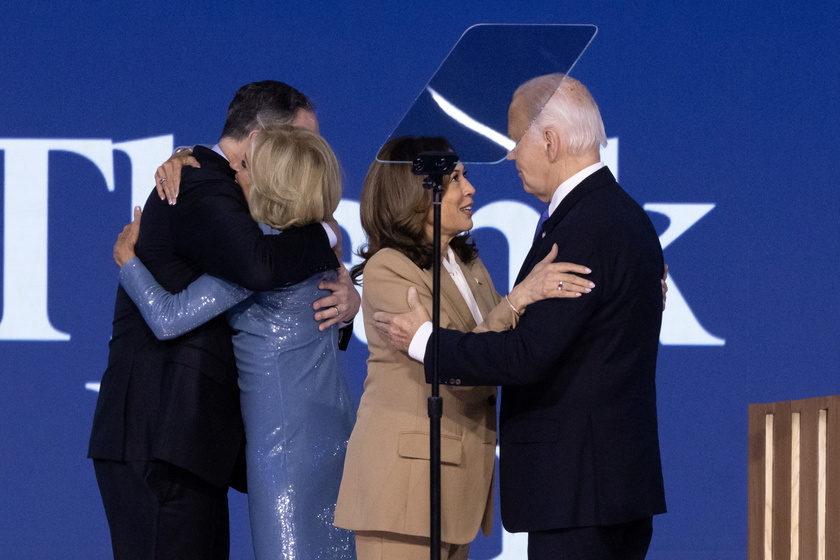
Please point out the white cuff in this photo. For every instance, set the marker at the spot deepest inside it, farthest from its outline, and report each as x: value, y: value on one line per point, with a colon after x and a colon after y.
x: 417, y: 348
x: 331, y: 234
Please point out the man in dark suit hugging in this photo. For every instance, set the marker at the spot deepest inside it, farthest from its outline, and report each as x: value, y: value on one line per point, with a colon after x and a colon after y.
x: 167, y: 435
x: 579, y: 463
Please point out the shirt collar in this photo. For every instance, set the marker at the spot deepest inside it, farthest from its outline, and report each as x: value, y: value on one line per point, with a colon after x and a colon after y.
x: 219, y: 151
x: 566, y: 186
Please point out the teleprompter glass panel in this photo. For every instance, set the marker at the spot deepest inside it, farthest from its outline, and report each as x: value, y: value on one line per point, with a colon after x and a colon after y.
x: 467, y: 99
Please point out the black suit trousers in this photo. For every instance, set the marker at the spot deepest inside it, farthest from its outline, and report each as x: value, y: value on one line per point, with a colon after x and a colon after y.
x: 157, y: 511
x: 624, y: 541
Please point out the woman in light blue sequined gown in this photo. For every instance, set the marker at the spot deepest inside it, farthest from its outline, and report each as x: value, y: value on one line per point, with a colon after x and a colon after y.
x: 296, y: 407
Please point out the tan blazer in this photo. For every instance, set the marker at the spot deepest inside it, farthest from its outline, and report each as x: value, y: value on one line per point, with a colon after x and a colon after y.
x: 385, y: 486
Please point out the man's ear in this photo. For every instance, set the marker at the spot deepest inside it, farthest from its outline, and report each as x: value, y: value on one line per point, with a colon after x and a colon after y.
x: 551, y: 143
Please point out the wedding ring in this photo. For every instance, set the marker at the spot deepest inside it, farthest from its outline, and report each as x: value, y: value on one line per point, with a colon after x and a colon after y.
x: 161, y: 180
x: 560, y: 287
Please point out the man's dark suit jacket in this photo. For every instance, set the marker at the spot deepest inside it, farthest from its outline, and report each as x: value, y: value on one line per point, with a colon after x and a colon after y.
x: 578, y: 427
x: 178, y: 400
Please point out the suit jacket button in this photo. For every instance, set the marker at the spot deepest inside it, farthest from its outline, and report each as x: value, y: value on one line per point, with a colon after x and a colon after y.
x: 457, y: 382
x: 451, y: 381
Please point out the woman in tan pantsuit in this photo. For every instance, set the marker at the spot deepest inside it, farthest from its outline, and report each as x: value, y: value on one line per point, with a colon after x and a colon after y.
x: 384, y: 493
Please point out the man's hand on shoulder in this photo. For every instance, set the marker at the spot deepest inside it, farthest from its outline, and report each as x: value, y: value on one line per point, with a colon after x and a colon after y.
x: 399, y: 328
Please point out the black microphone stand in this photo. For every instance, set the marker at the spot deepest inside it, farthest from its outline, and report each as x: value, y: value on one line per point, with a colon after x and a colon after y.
x: 435, y: 165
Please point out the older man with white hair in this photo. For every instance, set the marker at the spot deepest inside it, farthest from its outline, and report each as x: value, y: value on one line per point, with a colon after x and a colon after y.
x: 580, y: 464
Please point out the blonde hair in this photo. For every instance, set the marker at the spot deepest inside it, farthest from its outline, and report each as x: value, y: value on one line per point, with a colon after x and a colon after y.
x: 295, y: 178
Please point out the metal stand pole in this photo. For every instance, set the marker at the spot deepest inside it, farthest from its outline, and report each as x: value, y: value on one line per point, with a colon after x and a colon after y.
x: 435, y: 165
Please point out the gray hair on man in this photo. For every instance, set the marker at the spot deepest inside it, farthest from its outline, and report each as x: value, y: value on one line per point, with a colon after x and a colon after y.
x: 559, y: 101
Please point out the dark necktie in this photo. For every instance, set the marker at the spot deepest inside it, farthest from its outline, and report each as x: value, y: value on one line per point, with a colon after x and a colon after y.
x: 543, y: 218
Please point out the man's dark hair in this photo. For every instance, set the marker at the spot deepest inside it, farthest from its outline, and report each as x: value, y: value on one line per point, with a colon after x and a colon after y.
x: 259, y: 104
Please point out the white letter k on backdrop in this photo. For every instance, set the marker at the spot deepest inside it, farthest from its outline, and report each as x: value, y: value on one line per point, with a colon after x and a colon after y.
x: 679, y: 325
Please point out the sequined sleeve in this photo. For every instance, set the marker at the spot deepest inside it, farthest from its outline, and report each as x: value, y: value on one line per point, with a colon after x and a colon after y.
x: 171, y: 315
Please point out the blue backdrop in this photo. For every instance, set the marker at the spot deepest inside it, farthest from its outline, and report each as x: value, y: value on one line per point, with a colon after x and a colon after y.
x: 723, y: 120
